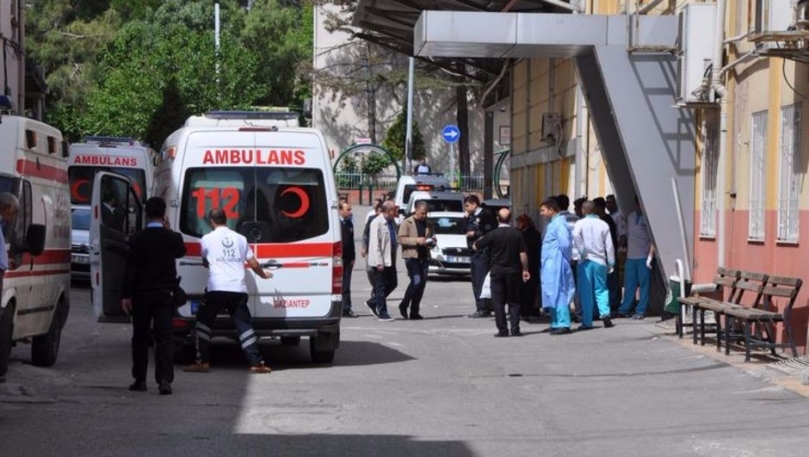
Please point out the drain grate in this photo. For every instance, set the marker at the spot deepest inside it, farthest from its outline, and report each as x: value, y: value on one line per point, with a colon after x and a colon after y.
x: 791, y: 366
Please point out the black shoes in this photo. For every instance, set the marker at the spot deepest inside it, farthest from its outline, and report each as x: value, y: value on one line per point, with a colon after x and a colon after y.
x: 138, y: 386
x: 479, y: 313
x: 607, y: 322
x: 560, y: 331
x: 500, y: 334
x: 516, y: 333
x: 165, y: 388
x: 416, y: 317
x: 372, y: 307
x: 403, y: 311
x: 349, y: 313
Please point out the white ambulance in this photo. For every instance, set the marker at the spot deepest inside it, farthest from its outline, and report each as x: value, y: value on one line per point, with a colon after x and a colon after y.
x: 275, y: 183
x: 36, y: 286
x: 121, y: 155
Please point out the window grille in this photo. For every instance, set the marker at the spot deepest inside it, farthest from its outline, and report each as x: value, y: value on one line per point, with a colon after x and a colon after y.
x: 758, y: 153
x: 710, y: 156
x: 789, y: 173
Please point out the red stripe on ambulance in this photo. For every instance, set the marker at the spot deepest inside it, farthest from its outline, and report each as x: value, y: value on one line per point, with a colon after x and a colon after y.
x: 283, y: 251
x: 39, y: 170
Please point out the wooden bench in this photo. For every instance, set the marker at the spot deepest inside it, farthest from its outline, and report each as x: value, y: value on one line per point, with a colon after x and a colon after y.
x: 748, y: 282
x: 724, y: 279
x: 766, y: 317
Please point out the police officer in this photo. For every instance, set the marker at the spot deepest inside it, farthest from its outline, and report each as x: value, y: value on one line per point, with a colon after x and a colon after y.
x: 479, y: 258
x: 224, y: 253
x: 150, y: 278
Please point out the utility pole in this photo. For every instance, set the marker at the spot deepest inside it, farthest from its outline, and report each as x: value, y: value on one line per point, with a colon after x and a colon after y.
x: 407, y: 160
x: 216, y: 57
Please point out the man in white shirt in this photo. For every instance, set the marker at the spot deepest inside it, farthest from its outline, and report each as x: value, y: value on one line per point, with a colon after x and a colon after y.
x: 593, y: 244
x: 224, y: 253
x: 637, y: 270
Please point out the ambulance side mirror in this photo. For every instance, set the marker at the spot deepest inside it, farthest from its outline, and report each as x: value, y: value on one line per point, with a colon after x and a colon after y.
x: 35, y: 239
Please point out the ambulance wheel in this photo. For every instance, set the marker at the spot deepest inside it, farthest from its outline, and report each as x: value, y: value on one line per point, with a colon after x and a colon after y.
x: 6, y: 331
x: 290, y: 340
x: 323, y: 345
x: 45, y: 348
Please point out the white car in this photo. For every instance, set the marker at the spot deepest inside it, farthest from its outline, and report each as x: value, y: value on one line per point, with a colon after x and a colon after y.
x: 80, y: 243
x: 450, y: 255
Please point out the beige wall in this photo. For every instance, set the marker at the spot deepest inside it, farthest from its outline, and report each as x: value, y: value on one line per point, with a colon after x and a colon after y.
x: 342, y: 121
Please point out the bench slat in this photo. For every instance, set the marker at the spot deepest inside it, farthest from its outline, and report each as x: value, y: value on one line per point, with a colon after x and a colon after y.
x: 760, y: 277
x: 785, y: 281
x: 787, y: 292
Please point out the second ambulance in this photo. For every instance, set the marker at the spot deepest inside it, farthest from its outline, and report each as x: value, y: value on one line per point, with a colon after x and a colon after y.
x: 275, y: 183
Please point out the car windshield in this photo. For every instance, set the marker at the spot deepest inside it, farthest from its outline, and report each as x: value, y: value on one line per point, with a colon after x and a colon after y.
x: 82, y: 177
x: 434, y: 205
x: 81, y: 218
x: 449, y: 225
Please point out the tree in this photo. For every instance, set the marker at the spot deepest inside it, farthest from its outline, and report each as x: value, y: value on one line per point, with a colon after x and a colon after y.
x: 396, y: 137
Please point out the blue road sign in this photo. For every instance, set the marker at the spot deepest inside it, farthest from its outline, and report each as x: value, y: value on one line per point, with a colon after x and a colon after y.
x: 451, y: 134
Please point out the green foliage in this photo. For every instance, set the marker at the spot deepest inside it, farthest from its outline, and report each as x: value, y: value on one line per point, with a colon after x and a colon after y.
x: 141, y: 67
x: 374, y: 163
x: 396, y: 136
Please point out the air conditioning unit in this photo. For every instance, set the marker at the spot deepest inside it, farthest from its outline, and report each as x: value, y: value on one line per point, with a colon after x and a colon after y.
x: 769, y: 18
x: 551, y: 125
x: 695, y: 52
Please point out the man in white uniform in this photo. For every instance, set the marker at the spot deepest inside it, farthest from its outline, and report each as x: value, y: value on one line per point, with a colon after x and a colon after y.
x: 224, y: 253
x: 593, y: 243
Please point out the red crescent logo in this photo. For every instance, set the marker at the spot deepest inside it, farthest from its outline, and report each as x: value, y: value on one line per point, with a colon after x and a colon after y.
x: 304, y: 202
x: 75, y: 191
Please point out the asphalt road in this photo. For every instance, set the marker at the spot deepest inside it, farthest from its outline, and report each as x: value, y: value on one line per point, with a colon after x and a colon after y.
x: 443, y: 386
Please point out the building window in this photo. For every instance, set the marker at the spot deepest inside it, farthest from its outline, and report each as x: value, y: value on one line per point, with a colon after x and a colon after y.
x: 710, y: 154
x: 758, y: 156
x: 789, y: 173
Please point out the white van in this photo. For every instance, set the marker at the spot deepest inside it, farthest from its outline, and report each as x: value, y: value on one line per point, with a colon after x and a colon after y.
x: 124, y: 156
x: 408, y: 184
x: 276, y: 186
x: 35, y: 296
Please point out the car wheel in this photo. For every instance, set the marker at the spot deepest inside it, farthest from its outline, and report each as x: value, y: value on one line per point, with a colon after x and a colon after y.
x: 323, y: 346
x: 45, y: 348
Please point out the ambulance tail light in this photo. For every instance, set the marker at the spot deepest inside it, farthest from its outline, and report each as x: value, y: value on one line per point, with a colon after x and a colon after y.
x: 337, y: 269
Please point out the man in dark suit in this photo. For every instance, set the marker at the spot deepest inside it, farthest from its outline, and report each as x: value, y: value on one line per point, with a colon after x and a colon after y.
x: 112, y: 214
x: 349, y: 255
x: 149, y: 283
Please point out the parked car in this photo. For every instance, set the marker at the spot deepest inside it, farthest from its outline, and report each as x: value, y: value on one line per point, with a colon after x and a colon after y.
x: 450, y: 255
x: 80, y: 243
x: 436, y: 201
x: 408, y: 184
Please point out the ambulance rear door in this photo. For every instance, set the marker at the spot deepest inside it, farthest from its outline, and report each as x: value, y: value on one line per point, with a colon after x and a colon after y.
x: 116, y: 214
x: 298, y: 231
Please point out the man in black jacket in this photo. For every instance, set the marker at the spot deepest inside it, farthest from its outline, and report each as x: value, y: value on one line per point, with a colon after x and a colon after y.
x: 349, y: 255
x: 151, y: 276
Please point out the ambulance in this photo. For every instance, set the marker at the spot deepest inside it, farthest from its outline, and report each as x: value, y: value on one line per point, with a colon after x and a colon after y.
x: 35, y: 296
x: 275, y: 184
x: 121, y: 155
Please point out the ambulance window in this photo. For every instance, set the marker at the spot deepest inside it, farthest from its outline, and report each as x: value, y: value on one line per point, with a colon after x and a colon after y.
x: 267, y: 205
x: 81, y: 181
x: 31, y: 139
x: 51, y: 145
x: 16, y: 235
x: 115, y: 205
x: 208, y: 188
